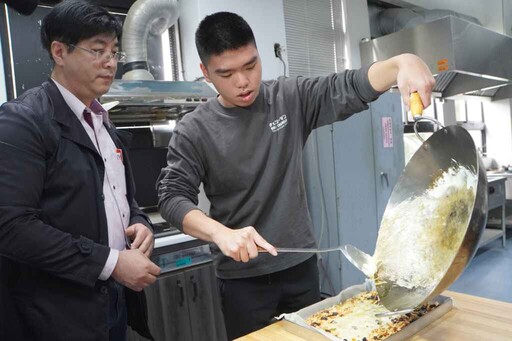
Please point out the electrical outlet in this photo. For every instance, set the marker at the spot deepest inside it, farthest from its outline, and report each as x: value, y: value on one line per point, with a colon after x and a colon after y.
x: 277, y: 50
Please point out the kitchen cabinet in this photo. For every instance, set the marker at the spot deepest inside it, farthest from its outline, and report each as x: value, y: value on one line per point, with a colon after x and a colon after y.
x: 185, y: 306
x: 388, y: 147
x: 351, y: 168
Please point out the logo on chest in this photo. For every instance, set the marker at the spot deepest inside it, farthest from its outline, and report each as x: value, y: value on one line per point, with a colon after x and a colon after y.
x: 278, y: 124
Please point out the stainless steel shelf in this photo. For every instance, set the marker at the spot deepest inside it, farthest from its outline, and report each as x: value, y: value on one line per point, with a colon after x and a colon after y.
x: 496, y: 227
x: 489, y: 236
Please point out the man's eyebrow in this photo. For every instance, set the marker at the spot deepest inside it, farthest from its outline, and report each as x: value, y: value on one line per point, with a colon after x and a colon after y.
x: 103, y: 42
x: 252, y: 61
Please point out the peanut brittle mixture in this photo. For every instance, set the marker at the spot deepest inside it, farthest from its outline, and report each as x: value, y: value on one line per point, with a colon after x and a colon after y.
x: 355, y: 320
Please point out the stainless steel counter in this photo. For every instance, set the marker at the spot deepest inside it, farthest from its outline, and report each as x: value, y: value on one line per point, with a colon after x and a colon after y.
x: 497, y: 200
x: 172, y: 240
x: 166, y: 235
x: 508, y: 183
x: 174, y: 250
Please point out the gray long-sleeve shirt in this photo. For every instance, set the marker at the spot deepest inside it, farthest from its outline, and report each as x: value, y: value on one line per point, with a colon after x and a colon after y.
x: 250, y: 162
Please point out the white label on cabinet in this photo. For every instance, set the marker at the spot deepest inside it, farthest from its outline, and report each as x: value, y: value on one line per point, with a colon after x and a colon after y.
x: 387, y: 132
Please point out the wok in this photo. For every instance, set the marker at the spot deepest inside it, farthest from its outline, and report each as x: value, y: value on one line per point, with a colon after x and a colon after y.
x: 415, y: 262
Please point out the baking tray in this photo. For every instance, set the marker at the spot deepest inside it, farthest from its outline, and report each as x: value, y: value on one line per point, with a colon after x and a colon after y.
x: 299, y: 317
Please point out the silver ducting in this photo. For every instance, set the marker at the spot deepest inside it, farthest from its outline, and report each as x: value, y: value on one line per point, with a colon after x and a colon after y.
x: 465, y: 58
x: 396, y: 19
x: 145, y: 17
x: 434, y: 14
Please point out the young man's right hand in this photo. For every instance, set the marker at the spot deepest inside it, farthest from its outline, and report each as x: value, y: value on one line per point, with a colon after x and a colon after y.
x: 134, y: 270
x: 242, y: 244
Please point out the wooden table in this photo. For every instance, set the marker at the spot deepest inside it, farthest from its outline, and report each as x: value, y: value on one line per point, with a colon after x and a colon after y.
x: 472, y: 318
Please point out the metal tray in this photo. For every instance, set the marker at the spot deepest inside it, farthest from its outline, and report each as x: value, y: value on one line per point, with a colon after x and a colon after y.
x: 299, y: 317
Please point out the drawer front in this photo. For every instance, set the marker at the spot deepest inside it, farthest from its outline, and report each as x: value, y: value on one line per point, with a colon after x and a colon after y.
x: 496, y: 191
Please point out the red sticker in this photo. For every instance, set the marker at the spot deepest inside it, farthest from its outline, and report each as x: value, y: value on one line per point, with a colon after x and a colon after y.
x: 119, y: 153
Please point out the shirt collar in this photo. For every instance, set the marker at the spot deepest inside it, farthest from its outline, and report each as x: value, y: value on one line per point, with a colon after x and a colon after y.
x: 78, y: 107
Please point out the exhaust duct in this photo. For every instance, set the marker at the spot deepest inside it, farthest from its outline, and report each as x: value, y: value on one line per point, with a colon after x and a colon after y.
x: 464, y: 57
x: 396, y: 19
x: 145, y: 17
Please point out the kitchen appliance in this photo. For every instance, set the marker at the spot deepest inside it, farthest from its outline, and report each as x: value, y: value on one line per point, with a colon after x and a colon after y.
x: 464, y: 57
x: 150, y: 110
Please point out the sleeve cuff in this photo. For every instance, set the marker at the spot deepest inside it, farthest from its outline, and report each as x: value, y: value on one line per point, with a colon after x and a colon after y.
x: 139, y: 219
x: 110, y: 264
x: 174, y: 210
x: 366, y: 90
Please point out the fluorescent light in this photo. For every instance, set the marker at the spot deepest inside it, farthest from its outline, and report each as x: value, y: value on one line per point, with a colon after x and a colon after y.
x: 166, y: 56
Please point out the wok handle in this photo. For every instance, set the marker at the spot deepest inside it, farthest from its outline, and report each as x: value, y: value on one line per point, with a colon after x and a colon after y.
x: 426, y: 118
x: 415, y: 104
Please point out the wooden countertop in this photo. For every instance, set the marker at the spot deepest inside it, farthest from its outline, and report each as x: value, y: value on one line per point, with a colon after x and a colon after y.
x: 471, y: 319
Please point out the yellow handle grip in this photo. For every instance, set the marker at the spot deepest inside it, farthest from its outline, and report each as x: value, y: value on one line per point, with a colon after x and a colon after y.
x: 416, y: 104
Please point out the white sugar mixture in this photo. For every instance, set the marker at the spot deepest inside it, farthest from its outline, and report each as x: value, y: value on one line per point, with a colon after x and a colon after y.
x: 419, y: 238
x: 360, y: 322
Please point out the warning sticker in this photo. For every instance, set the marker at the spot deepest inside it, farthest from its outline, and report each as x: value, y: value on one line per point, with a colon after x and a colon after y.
x: 387, y: 132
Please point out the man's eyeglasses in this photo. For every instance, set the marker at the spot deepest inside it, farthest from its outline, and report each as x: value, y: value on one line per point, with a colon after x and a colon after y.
x: 104, y: 55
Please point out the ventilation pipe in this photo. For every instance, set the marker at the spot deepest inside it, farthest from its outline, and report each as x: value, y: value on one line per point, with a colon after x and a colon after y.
x: 145, y: 17
x: 397, y: 19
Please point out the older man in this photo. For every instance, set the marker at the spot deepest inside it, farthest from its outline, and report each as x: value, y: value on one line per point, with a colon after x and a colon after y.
x: 67, y: 208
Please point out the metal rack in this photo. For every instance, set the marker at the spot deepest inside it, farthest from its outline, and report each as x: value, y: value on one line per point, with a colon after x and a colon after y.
x: 496, y: 192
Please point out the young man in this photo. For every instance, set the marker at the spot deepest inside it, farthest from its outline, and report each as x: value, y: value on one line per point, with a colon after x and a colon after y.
x: 67, y: 208
x: 246, y: 147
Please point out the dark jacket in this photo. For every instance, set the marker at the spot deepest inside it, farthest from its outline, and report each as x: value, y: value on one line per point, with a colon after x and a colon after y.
x: 53, y: 226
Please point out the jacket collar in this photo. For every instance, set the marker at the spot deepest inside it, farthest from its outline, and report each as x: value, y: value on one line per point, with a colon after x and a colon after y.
x: 62, y: 113
x: 72, y: 129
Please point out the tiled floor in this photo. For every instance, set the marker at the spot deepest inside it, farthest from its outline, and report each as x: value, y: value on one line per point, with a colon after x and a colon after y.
x: 490, y: 272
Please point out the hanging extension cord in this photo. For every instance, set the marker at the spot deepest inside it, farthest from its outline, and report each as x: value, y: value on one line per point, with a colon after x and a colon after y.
x: 278, y: 52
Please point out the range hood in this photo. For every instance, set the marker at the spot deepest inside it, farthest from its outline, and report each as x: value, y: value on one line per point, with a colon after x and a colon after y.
x: 153, y: 107
x: 464, y: 57
x: 505, y: 92
x: 153, y: 100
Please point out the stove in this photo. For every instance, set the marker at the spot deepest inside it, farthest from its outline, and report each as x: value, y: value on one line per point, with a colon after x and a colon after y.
x: 164, y: 229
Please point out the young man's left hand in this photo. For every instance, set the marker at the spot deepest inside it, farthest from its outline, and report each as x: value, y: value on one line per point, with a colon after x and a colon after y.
x: 141, y: 237
x: 414, y: 76
x: 408, y: 71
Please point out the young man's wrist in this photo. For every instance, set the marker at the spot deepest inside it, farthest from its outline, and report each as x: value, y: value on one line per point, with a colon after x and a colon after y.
x: 216, y: 231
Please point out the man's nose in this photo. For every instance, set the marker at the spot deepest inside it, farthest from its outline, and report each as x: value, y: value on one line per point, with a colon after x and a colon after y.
x: 242, y: 80
x: 112, y: 62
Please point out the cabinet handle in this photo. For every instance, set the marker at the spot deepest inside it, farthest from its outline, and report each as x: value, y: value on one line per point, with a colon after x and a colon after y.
x: 194, y: 288
x: 384, y: 175
x: 182, y: 293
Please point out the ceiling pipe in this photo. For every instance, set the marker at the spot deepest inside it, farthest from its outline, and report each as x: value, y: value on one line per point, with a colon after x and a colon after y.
x: 396, y: 19
x: 145, y: 17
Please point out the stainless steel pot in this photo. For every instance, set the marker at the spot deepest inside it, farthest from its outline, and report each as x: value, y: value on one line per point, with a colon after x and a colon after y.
x: 446, y: 147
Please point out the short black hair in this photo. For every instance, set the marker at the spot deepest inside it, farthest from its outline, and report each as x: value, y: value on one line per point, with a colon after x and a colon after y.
x: 73, y: 21
x: 222, y: 31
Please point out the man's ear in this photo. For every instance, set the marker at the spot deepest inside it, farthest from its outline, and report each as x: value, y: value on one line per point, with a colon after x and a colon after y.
x: 204, y: 70
x: 57, y: 49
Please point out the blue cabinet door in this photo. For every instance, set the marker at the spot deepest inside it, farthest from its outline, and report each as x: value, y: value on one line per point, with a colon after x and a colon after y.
x: 388, y: 147
x: 355, y: 189
x: 350, y: 170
